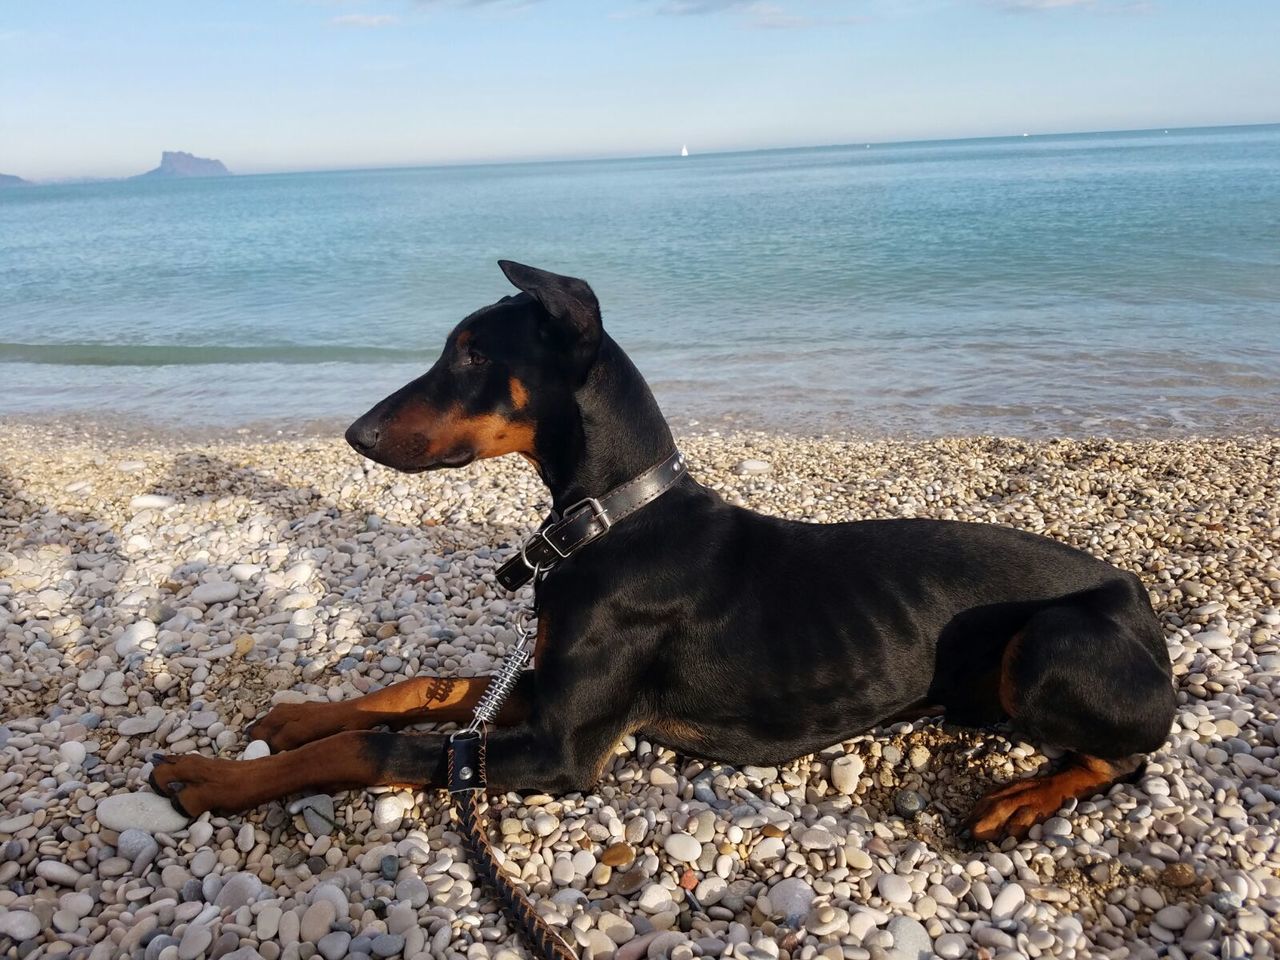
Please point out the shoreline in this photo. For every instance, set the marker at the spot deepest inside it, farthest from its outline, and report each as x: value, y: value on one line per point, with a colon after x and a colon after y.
x: 112, y: 655
x: 122, y: 430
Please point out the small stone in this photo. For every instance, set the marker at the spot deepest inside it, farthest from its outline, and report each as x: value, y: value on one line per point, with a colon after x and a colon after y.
x: 1056, y: 827
x: 846, y: 772
x: 333, y: 946
x: 1173, y: 917
x: 893, y: 888
x: 237, y: 890
x: 150, y: 501
x: 194, y: 942
x: 203, y: 862
x: 544, y: 825
x: 683, y: 847
x: 661, y: 778
x: 136, y: 726
x: 751, y: 467
x: 222, y: 947
x: 562, y: 871
x: 158, y: 944
x: 132, y: 637
x: 256, y: 749
x: 791, y: 899
x: 908, y: 804
x: 216, y: 591
x: 268, y: 922
x: 144, y: 811
x: 1008, y: 901
x: 768, y: 850
x: 317, y: 920
x: 72, y: 753
x: 388, y: 811
x: 413, y: 891
x: 19, y: 925
x: 628, y: 882
x: 137, y: 845
x: 950, y: 946
x: 317, y: 812
x: 76, y: 904
x: 1179, y: 875
x: 387, y: 944
x: 618, y: 854
x: 91, y: 680
x: 654, y: 899
x: 910, y: 940
x: 55, y: 871
x: 817, y: 838
x: 389, y: 867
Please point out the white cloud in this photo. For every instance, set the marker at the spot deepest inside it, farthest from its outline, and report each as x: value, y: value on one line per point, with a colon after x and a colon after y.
x: 365, y: 20
x: 1104, y: 6
x: 759, y: 14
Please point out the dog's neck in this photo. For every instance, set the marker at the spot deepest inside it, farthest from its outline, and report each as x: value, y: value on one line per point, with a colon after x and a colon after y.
x: 619, y: 432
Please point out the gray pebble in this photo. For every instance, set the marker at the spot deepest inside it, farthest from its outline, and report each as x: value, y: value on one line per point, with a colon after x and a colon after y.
x: 333, y: 946
x: 908, y: 804
x: 387, y: 944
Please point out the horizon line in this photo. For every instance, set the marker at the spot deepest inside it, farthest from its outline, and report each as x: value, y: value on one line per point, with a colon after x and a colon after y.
x: 603, y: 158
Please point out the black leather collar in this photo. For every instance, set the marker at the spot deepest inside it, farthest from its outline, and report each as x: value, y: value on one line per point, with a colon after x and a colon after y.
x: 560, y: 537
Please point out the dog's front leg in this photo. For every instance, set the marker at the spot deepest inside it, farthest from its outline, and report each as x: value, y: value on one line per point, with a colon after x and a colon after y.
x: 541, y: 756
x: 195, y: 783
x: 420, y: 700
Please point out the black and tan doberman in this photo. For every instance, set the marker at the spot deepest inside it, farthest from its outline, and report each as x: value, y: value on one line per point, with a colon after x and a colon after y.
x: 720, y: 632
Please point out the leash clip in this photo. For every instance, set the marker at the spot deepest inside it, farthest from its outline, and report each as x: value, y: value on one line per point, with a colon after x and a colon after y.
x: 466, y: 761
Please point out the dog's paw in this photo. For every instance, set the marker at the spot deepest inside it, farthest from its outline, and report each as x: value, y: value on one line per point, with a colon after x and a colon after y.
x: 287, y: 726
x: 1012, y: 810
x: 195, y: 783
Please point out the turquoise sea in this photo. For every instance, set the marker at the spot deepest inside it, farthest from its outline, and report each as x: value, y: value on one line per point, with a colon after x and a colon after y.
x: 1123, y: 283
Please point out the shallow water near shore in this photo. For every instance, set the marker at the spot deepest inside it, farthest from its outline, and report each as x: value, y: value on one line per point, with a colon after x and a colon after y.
x: 1123, y: 283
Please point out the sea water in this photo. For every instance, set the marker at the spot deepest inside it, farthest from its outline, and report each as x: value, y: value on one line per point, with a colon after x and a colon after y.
x: 1122, y: 283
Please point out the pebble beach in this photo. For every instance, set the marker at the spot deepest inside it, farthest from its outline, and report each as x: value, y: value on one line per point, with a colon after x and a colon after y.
x: 159, y: 593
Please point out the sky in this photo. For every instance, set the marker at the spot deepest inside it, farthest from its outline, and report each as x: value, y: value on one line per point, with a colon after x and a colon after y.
x: 94, y: 89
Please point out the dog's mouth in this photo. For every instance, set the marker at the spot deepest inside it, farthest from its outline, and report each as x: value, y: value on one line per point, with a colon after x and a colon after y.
x: 421, y: 462
x: 457, y: 458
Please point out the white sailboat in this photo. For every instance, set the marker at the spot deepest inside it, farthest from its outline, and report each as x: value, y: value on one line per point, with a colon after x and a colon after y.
x: 684, y: 151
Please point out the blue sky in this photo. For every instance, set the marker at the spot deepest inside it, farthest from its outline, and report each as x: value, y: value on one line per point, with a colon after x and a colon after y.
x: 89, y: 88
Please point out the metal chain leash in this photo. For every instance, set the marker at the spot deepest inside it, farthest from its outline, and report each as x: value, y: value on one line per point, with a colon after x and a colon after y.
x: 467, y: 780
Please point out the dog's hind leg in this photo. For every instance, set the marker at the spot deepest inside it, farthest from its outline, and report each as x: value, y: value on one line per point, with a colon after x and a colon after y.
x: 420, y: 700
x: 1090, y: 675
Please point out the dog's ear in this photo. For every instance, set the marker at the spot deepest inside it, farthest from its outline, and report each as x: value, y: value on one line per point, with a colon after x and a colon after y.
x: 569, y: 302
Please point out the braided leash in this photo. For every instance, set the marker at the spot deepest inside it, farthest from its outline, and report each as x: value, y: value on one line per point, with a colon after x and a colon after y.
x: 517, y: 906
x: 467, y: 778
x: 559, y: 537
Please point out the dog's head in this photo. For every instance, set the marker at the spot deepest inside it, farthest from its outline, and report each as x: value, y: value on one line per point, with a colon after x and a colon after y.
x: 506, y: 371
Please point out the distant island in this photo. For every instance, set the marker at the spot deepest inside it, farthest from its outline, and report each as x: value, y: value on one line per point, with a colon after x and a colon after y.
x: 175, y: 163
x: 9, y: 180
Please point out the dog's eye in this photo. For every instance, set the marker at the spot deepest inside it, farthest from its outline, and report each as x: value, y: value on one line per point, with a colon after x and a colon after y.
x: 476, y: 359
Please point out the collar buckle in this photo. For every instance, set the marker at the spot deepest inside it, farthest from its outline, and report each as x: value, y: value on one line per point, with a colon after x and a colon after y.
x: 596, y: 507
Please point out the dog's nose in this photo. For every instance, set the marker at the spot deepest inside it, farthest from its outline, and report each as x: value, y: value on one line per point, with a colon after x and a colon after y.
x: 363, y: 434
